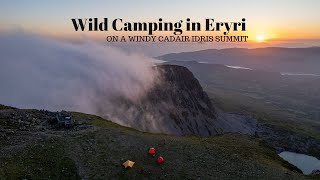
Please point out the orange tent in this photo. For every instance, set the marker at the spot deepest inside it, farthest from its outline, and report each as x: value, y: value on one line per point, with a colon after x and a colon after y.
x: 128, y: 163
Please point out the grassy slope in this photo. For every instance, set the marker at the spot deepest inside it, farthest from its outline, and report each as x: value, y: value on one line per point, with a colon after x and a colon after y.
x: 40, y: 160
x: 2, y: 107
x: 98, y: 153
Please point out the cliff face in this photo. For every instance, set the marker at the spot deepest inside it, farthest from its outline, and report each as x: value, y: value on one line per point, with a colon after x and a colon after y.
x: 176, y: 104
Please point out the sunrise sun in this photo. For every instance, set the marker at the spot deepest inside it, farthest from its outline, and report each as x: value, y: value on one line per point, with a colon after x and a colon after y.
x: 260, y: 38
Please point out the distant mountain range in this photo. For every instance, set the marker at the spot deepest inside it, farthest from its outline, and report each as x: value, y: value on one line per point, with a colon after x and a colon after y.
x: 275, y: 59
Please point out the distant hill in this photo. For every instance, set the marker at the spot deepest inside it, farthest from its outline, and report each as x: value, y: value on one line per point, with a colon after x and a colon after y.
x: 276, y: 59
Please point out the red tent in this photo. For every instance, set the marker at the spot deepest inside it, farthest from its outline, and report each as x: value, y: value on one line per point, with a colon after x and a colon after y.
x: 160, y: 160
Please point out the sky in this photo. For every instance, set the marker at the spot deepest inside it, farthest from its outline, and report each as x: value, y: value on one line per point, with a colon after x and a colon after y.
x: 269, y: 20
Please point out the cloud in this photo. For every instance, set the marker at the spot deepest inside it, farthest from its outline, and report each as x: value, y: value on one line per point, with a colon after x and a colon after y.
x: 44, y: 73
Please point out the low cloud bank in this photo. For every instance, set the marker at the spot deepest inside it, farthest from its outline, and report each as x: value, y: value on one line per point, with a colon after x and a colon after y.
x: 40, y: 72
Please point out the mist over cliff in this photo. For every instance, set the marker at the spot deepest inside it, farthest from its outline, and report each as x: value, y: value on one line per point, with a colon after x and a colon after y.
x: 41, y: 72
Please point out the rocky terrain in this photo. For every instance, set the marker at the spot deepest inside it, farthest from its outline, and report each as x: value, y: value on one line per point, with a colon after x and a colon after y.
x: 285, y: 140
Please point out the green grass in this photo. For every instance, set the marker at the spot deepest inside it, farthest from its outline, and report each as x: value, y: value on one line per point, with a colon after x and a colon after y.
x: 2, y: 107
x: 46, y: 160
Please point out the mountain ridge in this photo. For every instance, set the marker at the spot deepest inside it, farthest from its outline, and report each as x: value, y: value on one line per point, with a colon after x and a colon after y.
x: 176, y: 104
x: 293, y: 60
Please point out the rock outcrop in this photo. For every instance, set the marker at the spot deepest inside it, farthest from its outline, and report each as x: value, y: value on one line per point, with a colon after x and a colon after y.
x: 176, y: 104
